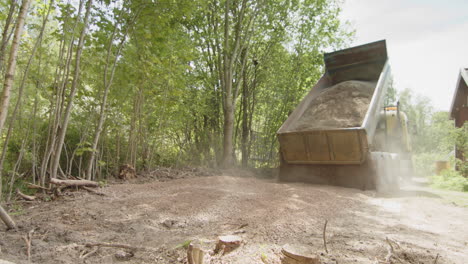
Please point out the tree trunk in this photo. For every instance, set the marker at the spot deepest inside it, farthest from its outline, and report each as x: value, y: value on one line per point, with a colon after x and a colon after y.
x: 20, y: 93
x: 34, y: 143
x: 61, y: 75
x: 73, y: 89
x: 11, y: 67
x: 10, y: 72
x: 230, y: 56
x: 227, y: 103
x: 17, y: 166
x: 245, y: 127
x: 107, y: 85
x: 6, y: 29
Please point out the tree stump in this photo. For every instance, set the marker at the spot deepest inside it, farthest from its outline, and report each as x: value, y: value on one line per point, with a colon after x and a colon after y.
x: 126, y: 172
x: 227, y: 243
x: 298, y: 254
x: 198, y: 252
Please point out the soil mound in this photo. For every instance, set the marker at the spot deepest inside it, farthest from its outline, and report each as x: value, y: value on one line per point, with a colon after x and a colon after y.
x: 342, y: 105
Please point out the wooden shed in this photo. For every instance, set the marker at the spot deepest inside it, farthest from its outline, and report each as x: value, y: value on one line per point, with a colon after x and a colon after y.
x: 459, y: 108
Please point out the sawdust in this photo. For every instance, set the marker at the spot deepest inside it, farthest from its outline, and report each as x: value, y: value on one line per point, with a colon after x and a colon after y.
x: 340, y: 106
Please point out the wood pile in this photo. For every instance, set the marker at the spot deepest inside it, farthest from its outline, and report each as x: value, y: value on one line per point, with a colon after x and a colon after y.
x: 127, y: 172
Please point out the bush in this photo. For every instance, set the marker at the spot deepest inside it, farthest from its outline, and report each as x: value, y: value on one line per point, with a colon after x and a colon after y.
x: 450, y: 180
x: 462, y: 167
x: 424, y: 163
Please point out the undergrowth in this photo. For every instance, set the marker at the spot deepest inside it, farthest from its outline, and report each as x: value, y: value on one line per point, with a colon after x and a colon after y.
x: 450, y: 180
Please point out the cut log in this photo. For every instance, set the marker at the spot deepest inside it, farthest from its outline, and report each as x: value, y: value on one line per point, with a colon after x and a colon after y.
x: 298, y: 254
x: 227, y: 243
x: 77, y: 183
x: 7, y: 219
x: 24, y: 196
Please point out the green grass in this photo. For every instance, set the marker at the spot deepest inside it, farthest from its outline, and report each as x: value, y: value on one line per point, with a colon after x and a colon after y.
x: 453, y: 197
x: 451, y: 186
x: 184, y: 244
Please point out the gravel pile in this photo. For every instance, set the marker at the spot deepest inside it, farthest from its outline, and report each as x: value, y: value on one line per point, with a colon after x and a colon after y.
x: 342, y: 105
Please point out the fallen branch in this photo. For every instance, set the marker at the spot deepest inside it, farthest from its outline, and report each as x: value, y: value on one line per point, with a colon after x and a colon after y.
x: 24, y: 196
x: 28, y: 238
x: 390, y: 251
x: 242, y: 226
x: 34, y: 186
x: 117, y: 245
x: 77, y: 183
x: 93, y: 191
x: 324, y: 236
x: 113, y: 246
x: 7, y: 219
x: 89, y: 253
x: 437, y: 258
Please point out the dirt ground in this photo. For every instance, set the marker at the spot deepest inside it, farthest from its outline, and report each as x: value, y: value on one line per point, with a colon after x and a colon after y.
x: 157, y: 216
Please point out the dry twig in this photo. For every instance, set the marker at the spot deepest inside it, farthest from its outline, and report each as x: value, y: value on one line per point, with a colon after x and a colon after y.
x: 324, y: 236
x: 437, y: 258
x: 28, y: 239
x: 117, y: 245
x: 390, y: 251
x: 112, y: 245
x: 84, y: 256
x: 34, y: 186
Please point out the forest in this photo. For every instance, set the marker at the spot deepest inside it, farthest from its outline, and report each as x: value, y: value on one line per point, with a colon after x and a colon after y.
x: 91, y: 85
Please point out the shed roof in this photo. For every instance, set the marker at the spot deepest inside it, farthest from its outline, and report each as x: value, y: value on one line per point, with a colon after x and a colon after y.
x: 462, y: 77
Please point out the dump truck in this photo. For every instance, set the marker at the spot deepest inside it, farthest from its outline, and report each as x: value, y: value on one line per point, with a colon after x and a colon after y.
x: 369, y: 154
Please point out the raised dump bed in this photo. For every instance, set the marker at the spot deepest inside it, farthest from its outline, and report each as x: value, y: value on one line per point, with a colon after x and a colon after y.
x: 310, y: 136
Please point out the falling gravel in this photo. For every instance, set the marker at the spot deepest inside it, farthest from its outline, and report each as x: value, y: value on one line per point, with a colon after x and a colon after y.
x: 342, y: 105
